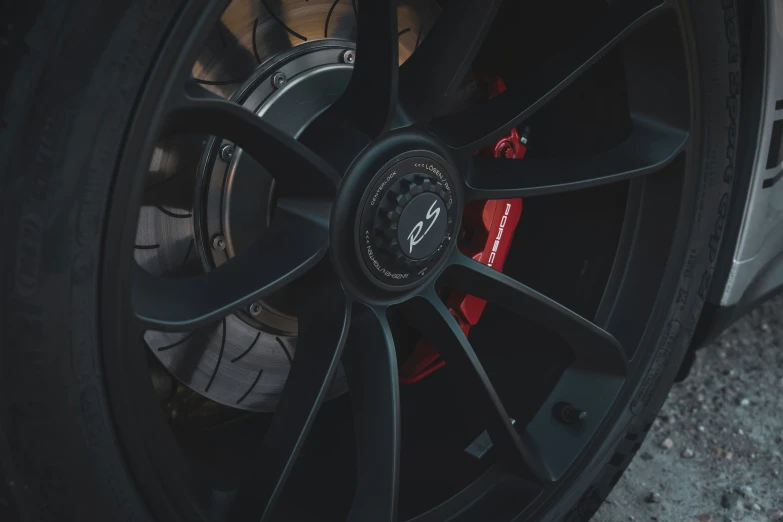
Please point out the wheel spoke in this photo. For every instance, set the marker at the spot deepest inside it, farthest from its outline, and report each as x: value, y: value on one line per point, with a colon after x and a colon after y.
x: 370, y: 100
x: 371, y: 96
x: 371, y: 366
x: 444, y: 57
x: 295, y: 168
x: 650, y: 147
x: 479, y: 126
x: 590, y: 384
x: 323, y: 329
x: 585, y: 391
x: 267, y: 265
x: 594, y: 348
x: 428, y: 314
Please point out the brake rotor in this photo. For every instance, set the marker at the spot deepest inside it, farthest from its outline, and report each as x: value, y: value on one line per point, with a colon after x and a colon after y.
x: 206, y: 201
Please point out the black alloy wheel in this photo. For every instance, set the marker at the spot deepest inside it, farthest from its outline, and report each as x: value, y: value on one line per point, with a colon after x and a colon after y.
x: 318, y: 226
x: 354, y: 247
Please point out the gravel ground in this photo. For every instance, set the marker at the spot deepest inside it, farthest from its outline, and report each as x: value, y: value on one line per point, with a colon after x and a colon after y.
x: 714, y: 452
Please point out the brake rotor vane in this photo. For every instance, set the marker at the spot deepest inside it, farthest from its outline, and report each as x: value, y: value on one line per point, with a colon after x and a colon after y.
x: 286, y: 74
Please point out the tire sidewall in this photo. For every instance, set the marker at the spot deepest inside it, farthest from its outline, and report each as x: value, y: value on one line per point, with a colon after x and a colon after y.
x: 66, y: 112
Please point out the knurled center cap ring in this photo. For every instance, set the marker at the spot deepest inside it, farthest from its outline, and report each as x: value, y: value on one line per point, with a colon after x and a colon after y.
x: 407, y: 221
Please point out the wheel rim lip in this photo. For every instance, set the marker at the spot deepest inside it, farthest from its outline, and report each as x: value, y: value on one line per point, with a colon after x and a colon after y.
x: 111, y: 297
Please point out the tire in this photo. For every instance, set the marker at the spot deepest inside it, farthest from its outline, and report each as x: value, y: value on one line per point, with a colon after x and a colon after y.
x: 75, y: 72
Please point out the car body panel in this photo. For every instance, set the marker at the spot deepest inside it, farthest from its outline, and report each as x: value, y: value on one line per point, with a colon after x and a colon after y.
x: 757, y: 258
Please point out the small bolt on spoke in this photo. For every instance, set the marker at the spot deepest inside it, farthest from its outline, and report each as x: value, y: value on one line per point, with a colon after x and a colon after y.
x: 278, y: 80
x: 219, y: 242
x: 227, y: 152
x: 255, y: 309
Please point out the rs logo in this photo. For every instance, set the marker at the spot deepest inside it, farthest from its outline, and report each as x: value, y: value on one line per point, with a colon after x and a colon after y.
x: 416, y: 235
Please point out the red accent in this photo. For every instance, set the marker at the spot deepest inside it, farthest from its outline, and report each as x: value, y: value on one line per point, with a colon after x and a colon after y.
x: 423, y: 361
x: 495, y: 86
x: 513, y: 145
x: 493, y: 224
x: 499, y: 220
x: 510, y: 147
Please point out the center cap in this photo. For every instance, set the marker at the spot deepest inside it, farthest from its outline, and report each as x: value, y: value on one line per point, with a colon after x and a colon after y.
x: 407, y: 220
x: 422, y: 226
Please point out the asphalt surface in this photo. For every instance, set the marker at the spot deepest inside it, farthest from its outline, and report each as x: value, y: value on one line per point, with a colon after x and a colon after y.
x: 714, y: 452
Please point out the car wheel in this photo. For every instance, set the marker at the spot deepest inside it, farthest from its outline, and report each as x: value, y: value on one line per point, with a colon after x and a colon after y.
x: 337, y: 260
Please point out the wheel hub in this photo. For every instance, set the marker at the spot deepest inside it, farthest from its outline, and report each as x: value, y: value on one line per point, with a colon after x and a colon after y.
x: 287, y: 92
x: 407, y: 220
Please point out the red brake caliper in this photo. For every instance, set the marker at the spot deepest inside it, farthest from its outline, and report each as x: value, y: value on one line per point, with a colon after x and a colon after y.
x: 492, y: 224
